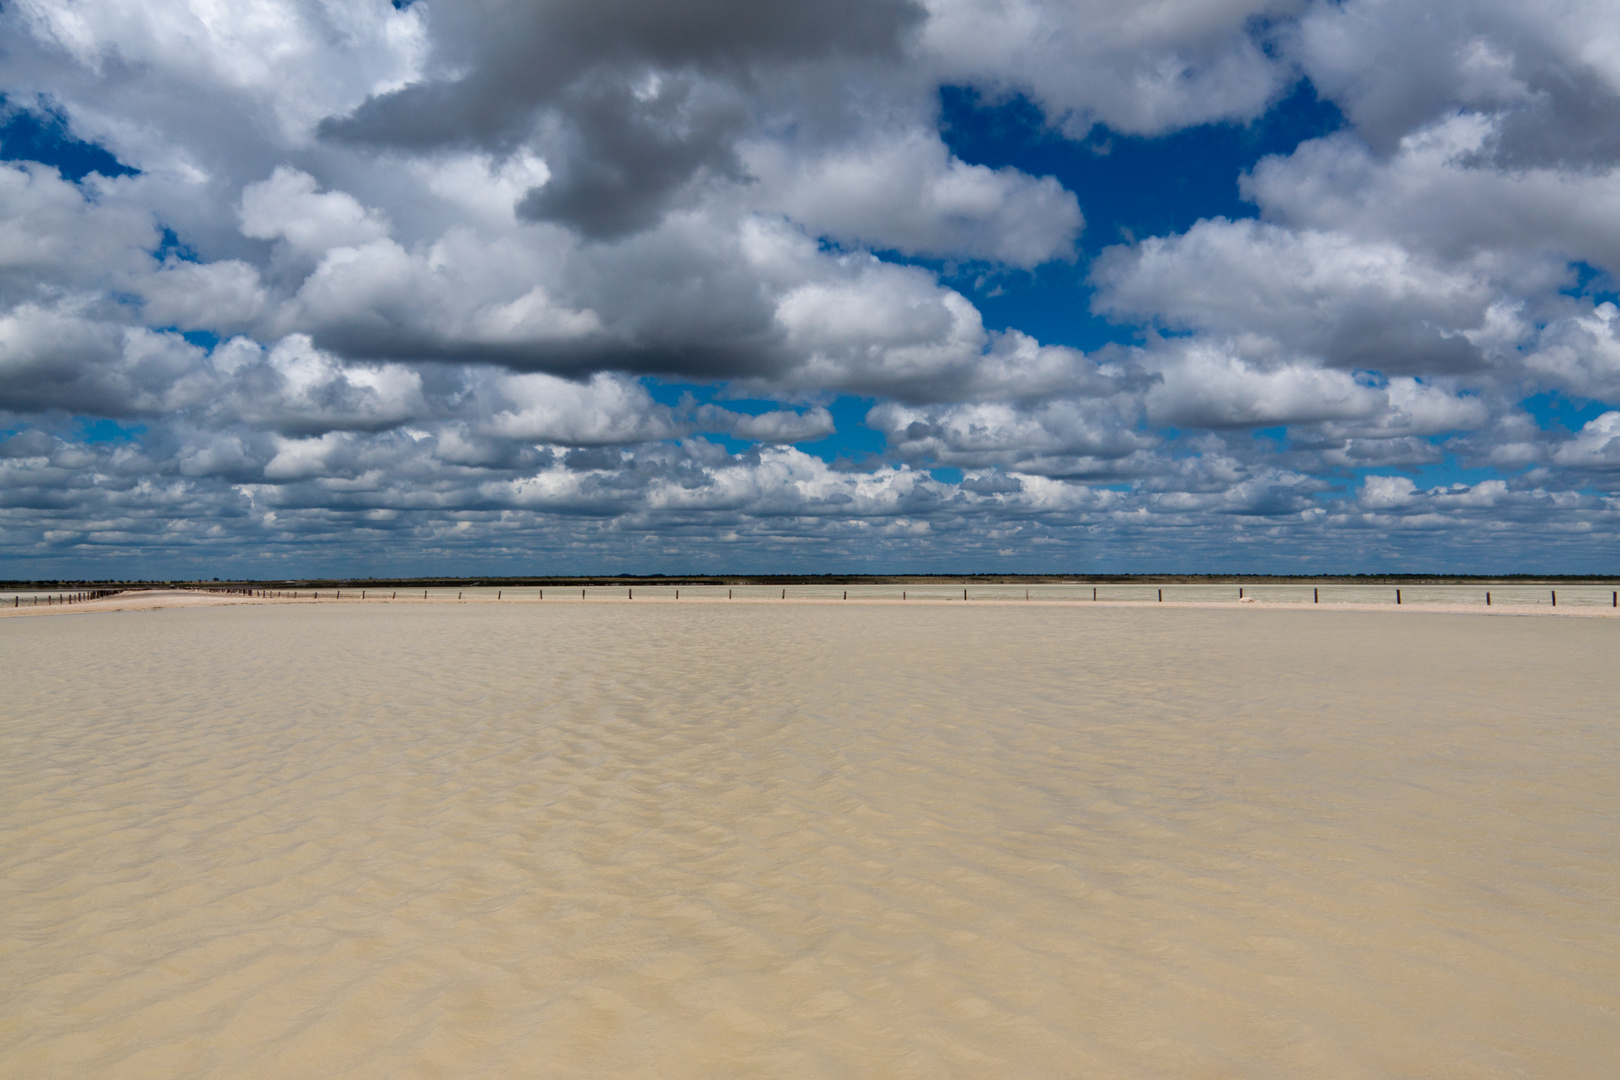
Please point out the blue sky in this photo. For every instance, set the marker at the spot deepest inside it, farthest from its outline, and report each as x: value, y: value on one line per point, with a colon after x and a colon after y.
x: 875, y: 287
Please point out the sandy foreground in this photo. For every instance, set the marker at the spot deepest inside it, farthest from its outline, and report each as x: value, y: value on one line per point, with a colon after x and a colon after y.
x: 806, y: 839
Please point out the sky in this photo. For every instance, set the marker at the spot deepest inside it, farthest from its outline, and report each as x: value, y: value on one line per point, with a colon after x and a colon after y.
x: 299, y: 288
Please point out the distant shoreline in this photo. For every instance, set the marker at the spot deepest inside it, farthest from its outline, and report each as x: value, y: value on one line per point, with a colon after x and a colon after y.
x: 165, y: 599
x: 695, y: 580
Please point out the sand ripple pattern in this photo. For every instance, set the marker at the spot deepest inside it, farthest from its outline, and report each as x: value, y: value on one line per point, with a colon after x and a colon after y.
x: 599, y: 841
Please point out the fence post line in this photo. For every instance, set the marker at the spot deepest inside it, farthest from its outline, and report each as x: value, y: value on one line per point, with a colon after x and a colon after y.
x: 1397, y: 596
x: 1316, y: 596
x: 1161, y: 596
x: 1555, y: 597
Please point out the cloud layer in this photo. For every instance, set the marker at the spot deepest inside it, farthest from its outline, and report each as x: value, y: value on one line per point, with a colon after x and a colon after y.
x: 582, y: 286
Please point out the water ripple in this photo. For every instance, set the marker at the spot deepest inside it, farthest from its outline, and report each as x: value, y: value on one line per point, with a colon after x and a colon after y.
x: 591, y: 840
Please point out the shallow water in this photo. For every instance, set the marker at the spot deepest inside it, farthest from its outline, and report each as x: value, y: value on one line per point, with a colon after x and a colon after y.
x: 807, y: 841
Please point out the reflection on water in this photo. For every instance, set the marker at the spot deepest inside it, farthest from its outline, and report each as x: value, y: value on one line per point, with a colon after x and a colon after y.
x: 807, y: 841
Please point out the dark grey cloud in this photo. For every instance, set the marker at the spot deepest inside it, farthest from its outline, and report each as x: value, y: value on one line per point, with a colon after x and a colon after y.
x: 501, y: 62
x: 633, y: 101
x: 623, y: 152
x: 1573, y: 119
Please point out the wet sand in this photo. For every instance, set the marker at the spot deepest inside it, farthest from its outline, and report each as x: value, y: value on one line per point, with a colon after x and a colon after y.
x: 807, y: 840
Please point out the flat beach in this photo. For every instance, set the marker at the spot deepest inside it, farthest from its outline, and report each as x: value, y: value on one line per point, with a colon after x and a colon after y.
x: 808, y: 839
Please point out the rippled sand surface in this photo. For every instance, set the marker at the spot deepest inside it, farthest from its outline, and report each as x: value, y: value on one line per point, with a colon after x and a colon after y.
x: 611, y: 841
